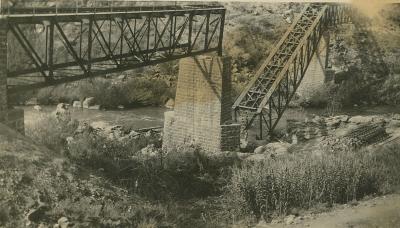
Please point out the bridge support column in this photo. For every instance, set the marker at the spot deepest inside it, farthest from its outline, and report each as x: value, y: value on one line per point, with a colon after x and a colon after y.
x: 202, y: 114
x: 13, y: 118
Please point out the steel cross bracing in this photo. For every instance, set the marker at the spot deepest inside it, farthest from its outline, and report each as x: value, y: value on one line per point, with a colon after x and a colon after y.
x: 269, y: 92
x: 70, y: 46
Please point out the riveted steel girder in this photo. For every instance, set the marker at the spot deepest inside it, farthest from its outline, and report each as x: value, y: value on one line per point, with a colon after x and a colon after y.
x: 67, y: 45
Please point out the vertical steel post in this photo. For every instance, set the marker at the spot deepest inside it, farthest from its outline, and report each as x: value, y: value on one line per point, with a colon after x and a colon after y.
x: 327, y: 42
x: 51, y: 50
x: 261, y: 127
x: 207, y: 31
x: 89, y: 48
x: 190, y: 32
x: 221, y: 33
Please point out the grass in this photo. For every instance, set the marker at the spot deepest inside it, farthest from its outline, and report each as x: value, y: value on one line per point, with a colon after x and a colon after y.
x: 185, y: 178
x: 279, y: 187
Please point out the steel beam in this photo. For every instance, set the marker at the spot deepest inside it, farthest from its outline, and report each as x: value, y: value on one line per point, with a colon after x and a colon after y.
x: 109, y: 42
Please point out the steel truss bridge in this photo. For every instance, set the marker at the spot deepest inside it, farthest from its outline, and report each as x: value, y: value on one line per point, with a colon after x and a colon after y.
x: 272, y: 87
x: 103, y: 40
x: 95, y: 41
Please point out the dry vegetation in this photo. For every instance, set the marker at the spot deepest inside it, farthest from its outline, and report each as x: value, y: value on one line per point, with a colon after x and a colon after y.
x: 114, y: 183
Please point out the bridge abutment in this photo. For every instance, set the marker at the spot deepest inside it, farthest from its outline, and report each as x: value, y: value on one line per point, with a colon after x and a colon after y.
x: 202, y: 113
x: 14, y: 118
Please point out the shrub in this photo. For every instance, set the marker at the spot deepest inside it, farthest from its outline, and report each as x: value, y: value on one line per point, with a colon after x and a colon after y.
x: 276, y: 187
x: 51, y: 132
x: 138, y: 91
x: 182, y: 173
x: 146, y: 91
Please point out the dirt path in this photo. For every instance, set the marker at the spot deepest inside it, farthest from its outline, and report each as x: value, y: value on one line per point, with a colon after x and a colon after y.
x: 378, y: 212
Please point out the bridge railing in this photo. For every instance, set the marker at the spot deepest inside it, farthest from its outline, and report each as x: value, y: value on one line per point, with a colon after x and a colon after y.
x: 36, y: 7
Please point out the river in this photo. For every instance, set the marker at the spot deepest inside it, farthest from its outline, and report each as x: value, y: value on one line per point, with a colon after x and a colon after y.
x: 132, y: 118
x: 154, y: 116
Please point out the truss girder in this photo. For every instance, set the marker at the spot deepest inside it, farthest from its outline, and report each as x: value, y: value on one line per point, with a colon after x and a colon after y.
x: 269, y: 92
x: 96, y: 44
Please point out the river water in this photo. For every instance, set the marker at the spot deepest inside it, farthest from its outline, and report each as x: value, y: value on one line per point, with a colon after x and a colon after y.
x: 132, y: 118
x: 154, y: 116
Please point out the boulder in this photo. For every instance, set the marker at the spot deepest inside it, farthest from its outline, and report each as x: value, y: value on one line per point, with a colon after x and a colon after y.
x: 77, y: 104
x: 396, y: 117
x: 333, y: 122
x: 90, y: 101
x: 99, y: 125
x: 256, y: 158
x: 361, y: 119
x: 37, y: 108
x: 32, y: 101
x: 259, y: 150
x: 62, y: 113
x: 149, y: 151
x: 63, y: 222
x: 95, y: 107
x: 170, y: 103
x: 277, y: 148
x: 343, y: 118
x: 122, y: 77
x: 289, y: 219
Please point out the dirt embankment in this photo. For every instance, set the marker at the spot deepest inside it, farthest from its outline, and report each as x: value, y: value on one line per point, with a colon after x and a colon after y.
x: 378, y: 212
x: 39, y: 188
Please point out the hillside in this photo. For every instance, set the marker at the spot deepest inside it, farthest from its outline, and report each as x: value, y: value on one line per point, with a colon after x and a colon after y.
x: 39, y: 187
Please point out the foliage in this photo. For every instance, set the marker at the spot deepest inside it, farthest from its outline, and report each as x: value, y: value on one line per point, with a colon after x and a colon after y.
x: 138, y: 91
x: 51, y: 132
x: 390, y: 91
x: 186, y: 172
x: 276, y: 187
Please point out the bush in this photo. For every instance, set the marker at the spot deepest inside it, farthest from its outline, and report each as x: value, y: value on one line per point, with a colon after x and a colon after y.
x: 183, y: 173
x: 51, y: 132
x: 276, y: 187
x: 138, y: 91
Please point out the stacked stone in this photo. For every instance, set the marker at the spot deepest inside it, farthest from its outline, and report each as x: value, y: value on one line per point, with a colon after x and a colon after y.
x: 202, y: 107
x: 229, y: 137
x: 306, y: 130
x: 3, y: 64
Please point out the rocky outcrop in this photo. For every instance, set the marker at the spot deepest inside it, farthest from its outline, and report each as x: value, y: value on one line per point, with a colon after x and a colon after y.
x: 89, y: 102
x: 77, y: 104
x: 62, y: 113
x: 170, y: 103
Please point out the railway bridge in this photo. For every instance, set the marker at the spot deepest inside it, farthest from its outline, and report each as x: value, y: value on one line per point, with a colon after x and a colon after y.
x: 47, y: 46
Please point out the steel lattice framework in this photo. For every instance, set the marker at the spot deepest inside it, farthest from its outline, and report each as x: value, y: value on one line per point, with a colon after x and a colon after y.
x: 269, y: 92
x: 67, y: 44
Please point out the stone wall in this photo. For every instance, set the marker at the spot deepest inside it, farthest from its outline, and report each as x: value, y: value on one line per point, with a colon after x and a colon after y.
x: 3, y: 64
x: 202, y: 109
x: 315, y: 76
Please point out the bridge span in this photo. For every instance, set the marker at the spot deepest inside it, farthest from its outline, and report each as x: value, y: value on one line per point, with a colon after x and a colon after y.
x: 103, y: 40
x: 64, y: 44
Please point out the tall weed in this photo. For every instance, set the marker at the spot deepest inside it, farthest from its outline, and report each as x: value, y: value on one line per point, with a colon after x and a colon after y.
x: 278, y: 186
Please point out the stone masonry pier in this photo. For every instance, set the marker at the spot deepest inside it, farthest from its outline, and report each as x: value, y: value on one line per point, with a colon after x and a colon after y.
x: 202, y: 114
x: 14, y: 118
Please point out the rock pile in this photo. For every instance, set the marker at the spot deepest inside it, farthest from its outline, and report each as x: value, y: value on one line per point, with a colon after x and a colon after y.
x: 301, y: 131
x: 368, y: 133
